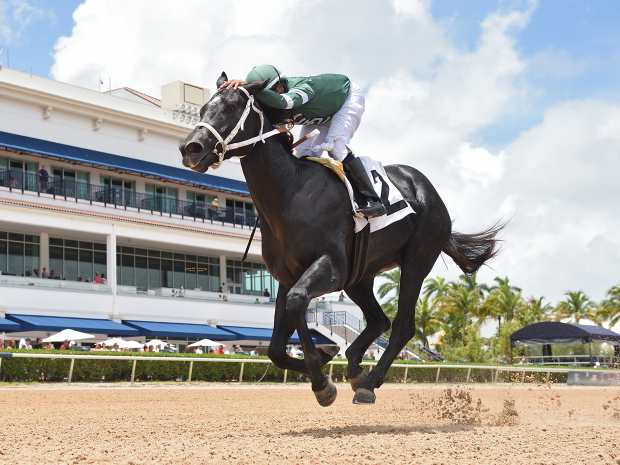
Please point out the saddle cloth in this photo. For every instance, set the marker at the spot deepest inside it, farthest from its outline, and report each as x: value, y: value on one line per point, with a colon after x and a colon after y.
x: 397, y: 207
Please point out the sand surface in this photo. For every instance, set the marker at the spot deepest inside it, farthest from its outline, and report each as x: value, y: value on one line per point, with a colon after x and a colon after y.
x: 284, y: 425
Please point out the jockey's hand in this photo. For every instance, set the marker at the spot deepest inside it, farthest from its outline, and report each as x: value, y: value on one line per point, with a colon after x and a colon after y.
x: 232, y: 84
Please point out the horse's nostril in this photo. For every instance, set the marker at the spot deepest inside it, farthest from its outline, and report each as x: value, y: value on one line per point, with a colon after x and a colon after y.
x: 194, y: 147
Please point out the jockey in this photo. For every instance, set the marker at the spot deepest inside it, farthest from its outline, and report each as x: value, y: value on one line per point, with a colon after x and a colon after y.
x: 330, y: 103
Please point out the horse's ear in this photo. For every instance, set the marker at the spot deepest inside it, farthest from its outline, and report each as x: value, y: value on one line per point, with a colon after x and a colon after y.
x: 255, y: 87
x: 221, y: 80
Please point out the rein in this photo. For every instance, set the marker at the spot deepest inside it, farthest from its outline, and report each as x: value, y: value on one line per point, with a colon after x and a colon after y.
x: 223, y: 144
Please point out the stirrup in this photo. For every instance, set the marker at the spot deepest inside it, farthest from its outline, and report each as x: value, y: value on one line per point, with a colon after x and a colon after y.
x: 372, y: 209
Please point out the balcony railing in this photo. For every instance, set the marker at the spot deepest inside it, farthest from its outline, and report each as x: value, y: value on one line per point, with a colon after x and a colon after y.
x: 18, y: 281
x: 113, y: 197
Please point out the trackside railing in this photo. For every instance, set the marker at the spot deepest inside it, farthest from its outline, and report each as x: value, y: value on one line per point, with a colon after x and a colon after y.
x: 492, y: 372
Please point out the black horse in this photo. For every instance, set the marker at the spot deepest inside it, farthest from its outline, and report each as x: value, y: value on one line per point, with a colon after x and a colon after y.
x: 307, y: 238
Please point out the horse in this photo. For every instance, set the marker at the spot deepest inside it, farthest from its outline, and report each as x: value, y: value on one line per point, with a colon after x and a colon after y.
x: 308, y: 238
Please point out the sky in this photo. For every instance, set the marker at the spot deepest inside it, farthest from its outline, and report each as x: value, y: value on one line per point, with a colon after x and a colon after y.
x: 510, y: 107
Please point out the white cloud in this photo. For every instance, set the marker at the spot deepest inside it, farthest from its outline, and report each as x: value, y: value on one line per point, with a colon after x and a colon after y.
x: 15, y: 16
x: 428, y: 98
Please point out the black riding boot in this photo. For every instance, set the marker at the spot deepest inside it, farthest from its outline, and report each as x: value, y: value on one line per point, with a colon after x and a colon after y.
x: 369, y: 204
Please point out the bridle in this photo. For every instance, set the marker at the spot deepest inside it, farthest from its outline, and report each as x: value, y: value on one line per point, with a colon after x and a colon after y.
x: 223, y: 145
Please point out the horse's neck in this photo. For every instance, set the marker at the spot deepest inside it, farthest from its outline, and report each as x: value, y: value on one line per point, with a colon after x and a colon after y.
x: 270, y: 173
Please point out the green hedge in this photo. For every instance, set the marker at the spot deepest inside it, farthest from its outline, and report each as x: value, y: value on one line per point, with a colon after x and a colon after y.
x: 57, y: 370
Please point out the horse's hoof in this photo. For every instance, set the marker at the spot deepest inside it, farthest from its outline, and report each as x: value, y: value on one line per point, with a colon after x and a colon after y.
x: 358, y: 381
x: 326, y: 396
x: 364, y: 396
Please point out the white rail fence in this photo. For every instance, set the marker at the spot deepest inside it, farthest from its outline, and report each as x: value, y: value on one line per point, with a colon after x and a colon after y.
x: 493, y: 371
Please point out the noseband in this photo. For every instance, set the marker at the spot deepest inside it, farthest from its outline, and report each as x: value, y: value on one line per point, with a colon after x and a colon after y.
x: 223, y: 145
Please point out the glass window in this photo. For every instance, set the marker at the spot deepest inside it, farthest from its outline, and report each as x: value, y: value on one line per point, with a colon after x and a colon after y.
x: 100, y: 263
x: 155, y: 275
x: 179, y: 274
x: 76, y: 260
x: 3, y: 256
x: 190, y: 272
x: 56, y: 261
x: 16, y: 259
x: 142, y: 279
x: 166, y: 271
x: 127, y: 264
x: 70, y: 271
x: 85, y: 267
x: 249, y: 278
x: 31, y: 259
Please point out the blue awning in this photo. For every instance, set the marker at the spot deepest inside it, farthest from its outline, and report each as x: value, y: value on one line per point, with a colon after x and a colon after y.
x: 179, y: 330
x: 58, y: 323
x: 264, y: 334
x: 126, y: 164
x: 9, y: 326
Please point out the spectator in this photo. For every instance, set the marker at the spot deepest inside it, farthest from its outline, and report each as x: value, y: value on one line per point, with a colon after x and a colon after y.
x: 98, y: 279
x: 103, y: 280
x: 43, y: 179
x: 266, y: 293
x: 35, y: 272
x: 44, y: 273
x: 52, y: 275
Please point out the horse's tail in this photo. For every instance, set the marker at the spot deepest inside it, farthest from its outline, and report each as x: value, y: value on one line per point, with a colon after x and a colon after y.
x: 471, y: 251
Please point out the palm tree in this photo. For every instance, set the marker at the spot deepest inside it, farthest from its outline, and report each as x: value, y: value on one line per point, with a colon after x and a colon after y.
x: 457, y: 309
x: 534, y: 311
x: 576, y: 306
x: 436, y: 288
x: 610, y: 307
x: 504, y: 301
x: 427, y: 320
x: 390, y: 289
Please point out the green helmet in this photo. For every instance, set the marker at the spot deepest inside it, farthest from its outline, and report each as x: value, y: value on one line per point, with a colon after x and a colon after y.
x: 263, y: 73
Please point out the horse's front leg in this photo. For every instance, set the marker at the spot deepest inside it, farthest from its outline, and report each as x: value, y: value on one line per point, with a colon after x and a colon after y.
x: 283, y: 328
x: 320, y: 278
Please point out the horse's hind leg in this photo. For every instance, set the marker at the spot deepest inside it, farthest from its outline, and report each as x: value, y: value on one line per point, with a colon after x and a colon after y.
x: 417, y: 263
x: 320, y: 278
x: 376, y: 324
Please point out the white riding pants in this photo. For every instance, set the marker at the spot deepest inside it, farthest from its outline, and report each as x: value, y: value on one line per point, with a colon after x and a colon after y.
x: 338, y: 132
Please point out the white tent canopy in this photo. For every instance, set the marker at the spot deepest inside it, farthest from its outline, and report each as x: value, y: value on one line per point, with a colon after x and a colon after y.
x: 132, y: 345
x: 68, y: 335
x: 206, y: 343
x: 114, y: 340
x: 156, y: 343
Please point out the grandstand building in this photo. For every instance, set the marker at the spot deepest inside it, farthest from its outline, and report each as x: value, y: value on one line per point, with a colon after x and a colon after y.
x: 103, y: 230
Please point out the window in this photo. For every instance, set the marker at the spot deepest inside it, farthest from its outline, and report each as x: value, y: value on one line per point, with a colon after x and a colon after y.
x: 118, y: 191
x: 249, y: 278
x: 17, y: 173
x: 240, y: 212
x: 161, y: 198
x: 76, y: 260
x: 19, y: 254
x: 153, y: 269
x: 71, y: 183
x: 200, y: 205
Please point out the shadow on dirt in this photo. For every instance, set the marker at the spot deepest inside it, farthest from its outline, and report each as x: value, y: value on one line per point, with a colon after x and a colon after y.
x: 358, y: 430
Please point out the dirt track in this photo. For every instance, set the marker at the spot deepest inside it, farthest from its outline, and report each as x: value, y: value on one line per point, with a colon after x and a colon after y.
x: 274, y: 425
